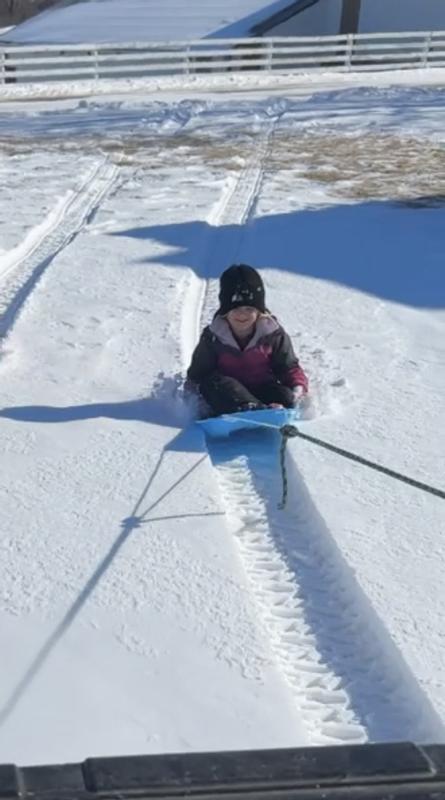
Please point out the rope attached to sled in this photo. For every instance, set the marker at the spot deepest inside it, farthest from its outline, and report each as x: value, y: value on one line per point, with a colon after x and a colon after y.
x: 290, y: 431
x: 287, y: 432
x: 377, y: 467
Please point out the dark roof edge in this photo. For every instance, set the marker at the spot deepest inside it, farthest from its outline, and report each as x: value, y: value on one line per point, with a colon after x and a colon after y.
x: 281, y: 16
x: 390, y: 769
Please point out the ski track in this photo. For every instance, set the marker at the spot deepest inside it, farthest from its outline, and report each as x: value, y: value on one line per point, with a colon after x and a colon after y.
x: 22, y: 267
x: 347, y: 678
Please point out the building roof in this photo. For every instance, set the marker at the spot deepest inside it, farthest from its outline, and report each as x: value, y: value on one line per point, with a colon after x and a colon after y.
x: 114, y: 21
x: 281, y: 16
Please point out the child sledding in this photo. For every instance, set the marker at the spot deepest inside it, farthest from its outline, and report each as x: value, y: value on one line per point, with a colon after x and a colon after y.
x: 245, y: 360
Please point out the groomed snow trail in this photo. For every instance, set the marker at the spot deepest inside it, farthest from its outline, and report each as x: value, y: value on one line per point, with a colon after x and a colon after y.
x: 317, y: 690
x: 21, y: 267
x: 347, y: 678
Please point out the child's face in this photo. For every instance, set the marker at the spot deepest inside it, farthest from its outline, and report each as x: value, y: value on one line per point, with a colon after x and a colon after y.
x: 242, y: 318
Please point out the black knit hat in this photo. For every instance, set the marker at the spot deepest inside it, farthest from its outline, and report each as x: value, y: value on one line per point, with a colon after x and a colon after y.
x: 241, y: 285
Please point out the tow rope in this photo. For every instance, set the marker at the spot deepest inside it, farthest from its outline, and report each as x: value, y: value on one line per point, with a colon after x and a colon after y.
x: 288, y: 431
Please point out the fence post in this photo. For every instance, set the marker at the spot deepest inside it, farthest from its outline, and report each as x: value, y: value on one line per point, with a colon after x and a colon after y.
x: 269, y: 55
x: 348, y: 51
x: 95, y: 64
x: 187, y: 60
x: 426, y: 49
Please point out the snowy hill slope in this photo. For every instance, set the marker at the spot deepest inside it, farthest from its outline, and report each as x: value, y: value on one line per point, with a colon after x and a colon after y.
x: 154, y: 598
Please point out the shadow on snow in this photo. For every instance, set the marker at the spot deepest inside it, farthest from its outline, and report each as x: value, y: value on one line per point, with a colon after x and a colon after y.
x: 351, y: 640
x: 394, y: 249
x: 140, y: 515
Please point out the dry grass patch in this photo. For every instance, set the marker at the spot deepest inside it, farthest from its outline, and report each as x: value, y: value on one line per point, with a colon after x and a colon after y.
x: 371, y: 165
x: 365, y: 166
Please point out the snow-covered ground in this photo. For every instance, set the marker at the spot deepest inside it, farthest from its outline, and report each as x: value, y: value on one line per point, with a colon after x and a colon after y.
x: 153, y: 597
x: 301, y: 82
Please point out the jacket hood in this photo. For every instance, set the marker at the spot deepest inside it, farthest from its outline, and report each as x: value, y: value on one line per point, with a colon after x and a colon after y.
x: 222, y: 330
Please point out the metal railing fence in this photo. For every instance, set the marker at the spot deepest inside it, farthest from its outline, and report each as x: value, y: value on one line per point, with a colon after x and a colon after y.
x: 282, y: 55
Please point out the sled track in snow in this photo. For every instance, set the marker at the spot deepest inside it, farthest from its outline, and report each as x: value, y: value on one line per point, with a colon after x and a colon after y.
x: 233, y: 208
x: 348, y: 681
x: 25, y: 264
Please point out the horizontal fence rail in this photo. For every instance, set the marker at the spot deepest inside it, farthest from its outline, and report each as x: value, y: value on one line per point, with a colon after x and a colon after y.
x: 280, y: 55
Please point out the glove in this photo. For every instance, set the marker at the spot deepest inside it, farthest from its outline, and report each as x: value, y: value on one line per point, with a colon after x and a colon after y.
x: 299, y: 393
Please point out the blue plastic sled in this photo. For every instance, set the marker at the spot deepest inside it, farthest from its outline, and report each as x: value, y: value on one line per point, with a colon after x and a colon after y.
x: 220, y: 427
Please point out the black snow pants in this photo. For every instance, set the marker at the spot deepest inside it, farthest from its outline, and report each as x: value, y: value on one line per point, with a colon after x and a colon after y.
x: 227, y: 395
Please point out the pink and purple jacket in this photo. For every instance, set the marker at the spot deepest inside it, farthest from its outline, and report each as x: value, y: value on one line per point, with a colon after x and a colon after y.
x: 268, y: 355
